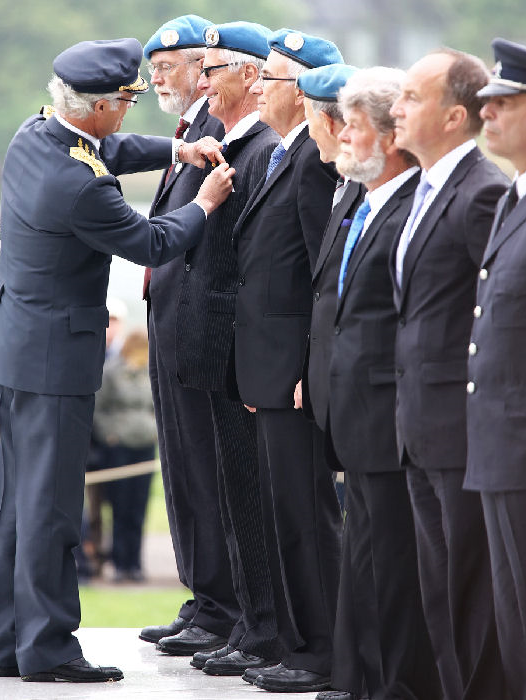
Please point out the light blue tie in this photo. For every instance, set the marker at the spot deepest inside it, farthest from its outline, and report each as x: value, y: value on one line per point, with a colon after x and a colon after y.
x: 409, y: 229
x: 275, y: 159
x: 352, y: 238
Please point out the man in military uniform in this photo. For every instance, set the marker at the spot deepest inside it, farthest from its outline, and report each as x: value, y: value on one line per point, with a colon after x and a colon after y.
x: 63, y: 216
x: 496, y: 405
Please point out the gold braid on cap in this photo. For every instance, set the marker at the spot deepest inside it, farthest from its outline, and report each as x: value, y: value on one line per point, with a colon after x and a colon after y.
x: 140, y: 85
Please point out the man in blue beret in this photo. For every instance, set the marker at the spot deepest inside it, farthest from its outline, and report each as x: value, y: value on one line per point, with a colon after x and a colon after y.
x: 277, y: 240
x: 63, y: 217
x: 186, y: 436
x: 235, y: 53
x: 496, y: 407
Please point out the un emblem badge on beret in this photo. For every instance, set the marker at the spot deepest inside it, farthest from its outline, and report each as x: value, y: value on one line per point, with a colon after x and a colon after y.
x: 169, y: 38
x: 294, y: 42
x: 212, y: 36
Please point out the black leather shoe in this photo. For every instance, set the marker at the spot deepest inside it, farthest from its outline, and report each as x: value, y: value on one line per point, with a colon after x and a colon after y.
x: 201, y: 657
x: 292, y: 680
x: 76, y: 671
x: 153, y: 634
x: 234, y: 664
x: 190, y: 640
x: 336, y: 695
x: 9, y: 672
x: 251, y: 674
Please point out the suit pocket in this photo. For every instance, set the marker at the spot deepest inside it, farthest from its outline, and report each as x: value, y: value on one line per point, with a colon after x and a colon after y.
x: 91, y: 319
x: 445, y: 372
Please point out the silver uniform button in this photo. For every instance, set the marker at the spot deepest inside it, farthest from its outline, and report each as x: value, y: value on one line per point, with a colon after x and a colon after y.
x: 483, y: 274
x: 471, y: 387
x: 473, y: 349
x: 477, y: 311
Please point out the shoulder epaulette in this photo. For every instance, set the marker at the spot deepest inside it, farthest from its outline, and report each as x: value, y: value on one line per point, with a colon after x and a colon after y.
x: 47, y: 111
x: 82, y: 153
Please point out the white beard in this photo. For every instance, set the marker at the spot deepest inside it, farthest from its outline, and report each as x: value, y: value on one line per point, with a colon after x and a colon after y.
x: 362, y: 171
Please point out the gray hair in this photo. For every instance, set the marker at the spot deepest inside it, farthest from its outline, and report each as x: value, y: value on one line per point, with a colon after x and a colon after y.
x: 331, y: 109
x: 374, y: 91
x: 80, y: 105
x: 237, y: 58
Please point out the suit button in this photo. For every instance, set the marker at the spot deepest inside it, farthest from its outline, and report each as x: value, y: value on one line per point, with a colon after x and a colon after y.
x: 483, y: 274
x: 401, y: 321
x: 399, y: 372
x: 477, y: 311
x: 337, y: 330
x: 233, y: 324
x: 473, y: 349
x: 471, y: 387
x: 188, y: 267
x: 317, y: 296
x: 241, y: 281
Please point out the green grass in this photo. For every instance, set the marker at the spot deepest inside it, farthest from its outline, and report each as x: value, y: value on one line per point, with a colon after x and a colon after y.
x: 156, y: 518
x: 104, y: 607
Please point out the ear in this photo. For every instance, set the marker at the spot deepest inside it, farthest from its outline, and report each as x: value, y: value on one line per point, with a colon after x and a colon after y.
x: 300, y: 96
x: 100, y: 106
x: 251, y: 74
x: 328, y: 124
x: 456, y: 118
x: 388, y: 142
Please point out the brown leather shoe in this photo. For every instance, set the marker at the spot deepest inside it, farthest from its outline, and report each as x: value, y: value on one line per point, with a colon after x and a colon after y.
x: 76, y: 671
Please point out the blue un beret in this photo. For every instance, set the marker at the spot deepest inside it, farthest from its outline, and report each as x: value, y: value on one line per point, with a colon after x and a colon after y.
x: 184, y: 32
x: 324, y: 83
x: 245, y: 37
x: 102, y: 66
x: 509, y: 73
x: 310, y: 51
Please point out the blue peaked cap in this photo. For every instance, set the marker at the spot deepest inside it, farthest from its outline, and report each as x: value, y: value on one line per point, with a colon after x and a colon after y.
x: 245, y: 37
x: 185, y: 32
x: 310, y: 51
x: 324, y: 83
x: 509, y: 74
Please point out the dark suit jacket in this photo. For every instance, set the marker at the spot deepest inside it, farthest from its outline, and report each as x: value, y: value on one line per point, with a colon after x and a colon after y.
x: 315, y: 377
x: 362, y: 387
x: 62, y: 220
x: 435, y: 306
x: 205, y: 320
x: 166, y: 281
x: 277, y: 239
x: 497, y: 408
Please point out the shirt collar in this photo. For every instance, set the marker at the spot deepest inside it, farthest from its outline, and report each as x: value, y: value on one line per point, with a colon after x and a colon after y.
x: 192, y: 111
x: 439, y: 172
x: 287, y: 141
x: 521, y: 185
x: 67, y: 125
x: 241, y: 128
x: 379, y: 196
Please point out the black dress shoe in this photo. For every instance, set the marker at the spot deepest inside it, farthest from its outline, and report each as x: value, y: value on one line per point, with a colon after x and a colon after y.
x: 76, y: 671
x: 292, y: 680
x: 201, y: 657
x: 153, y: 634
x: 251, y: 674
x: 190, y: 640
x: 336, y: 695
x: 234, y: 664
x: 9, y: 672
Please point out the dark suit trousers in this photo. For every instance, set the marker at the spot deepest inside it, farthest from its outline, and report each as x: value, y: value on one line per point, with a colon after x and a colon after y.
x: 380, y: 607
x: 455, y: 578
x: 302, y: 513
x: 189, y: 470
x: 45, y: 441
x: 238, y: 476
x: 505, y: 516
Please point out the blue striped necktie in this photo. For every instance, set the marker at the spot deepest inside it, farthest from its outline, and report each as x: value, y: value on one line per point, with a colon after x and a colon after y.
x: 275, y: 159
x: 352, y: 238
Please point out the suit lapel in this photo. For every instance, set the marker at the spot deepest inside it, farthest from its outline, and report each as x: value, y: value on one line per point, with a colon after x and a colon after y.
x: 500, y: 234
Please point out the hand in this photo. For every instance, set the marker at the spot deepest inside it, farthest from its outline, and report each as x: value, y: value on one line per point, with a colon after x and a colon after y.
x: 298, y: 396
x: 251, y: 409
x: 215, y: 188
x: 198, y: 152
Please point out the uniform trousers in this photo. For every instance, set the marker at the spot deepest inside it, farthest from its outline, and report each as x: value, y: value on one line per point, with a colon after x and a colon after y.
x: 45, y: 441
x: 189, y: 470
x: 505, y: 516
x: 455, y: 578
x: 302, y: 514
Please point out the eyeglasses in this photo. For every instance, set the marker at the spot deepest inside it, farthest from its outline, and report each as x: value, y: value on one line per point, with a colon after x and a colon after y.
x: 165, y: 68
x: 271, y: 77
x: 205, y: 70
x: 131, y: 103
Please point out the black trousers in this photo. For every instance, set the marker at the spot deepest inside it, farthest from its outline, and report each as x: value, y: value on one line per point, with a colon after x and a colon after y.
x: 505, y: 516
x: 455, y: 578
x: 303, y: 516
x: 380, y: 618
x: 45, y: 441
x: 189, y: 470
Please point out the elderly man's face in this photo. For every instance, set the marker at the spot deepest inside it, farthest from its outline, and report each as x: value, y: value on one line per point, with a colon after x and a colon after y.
x: 361, y: 157
x: 225, y: 89
x: 320, y: 126
x: 504, y: 127
x: 277, y: 99
x: 175, y: 86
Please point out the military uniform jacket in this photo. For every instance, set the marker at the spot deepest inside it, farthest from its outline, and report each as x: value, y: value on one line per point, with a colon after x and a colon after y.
x: 435, y: 306
x: 205, y: 320
x: 496, y: 404
x: 315, y: 378
x: 165, y: 285
x: 362, y: 386
x: 278, y: 239
x: 63, y: 216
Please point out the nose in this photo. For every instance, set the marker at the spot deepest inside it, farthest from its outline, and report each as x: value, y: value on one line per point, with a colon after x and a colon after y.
x: 343, y: 136
x: 203, y: 82
x: 395, y: 109
x: 486, y: 113
x: 257, y: 87
x: 156, y: 78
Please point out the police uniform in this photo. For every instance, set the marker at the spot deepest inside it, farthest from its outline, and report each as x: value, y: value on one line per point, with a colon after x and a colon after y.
x: 63, y: 216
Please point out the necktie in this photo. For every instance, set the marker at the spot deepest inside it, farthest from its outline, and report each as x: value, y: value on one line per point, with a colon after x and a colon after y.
x: 509, y: 204
x: 352, y: 237
x: 179, y: 133
x: 339, y: 191
x: 275, y: 159
x: 409, y: 229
